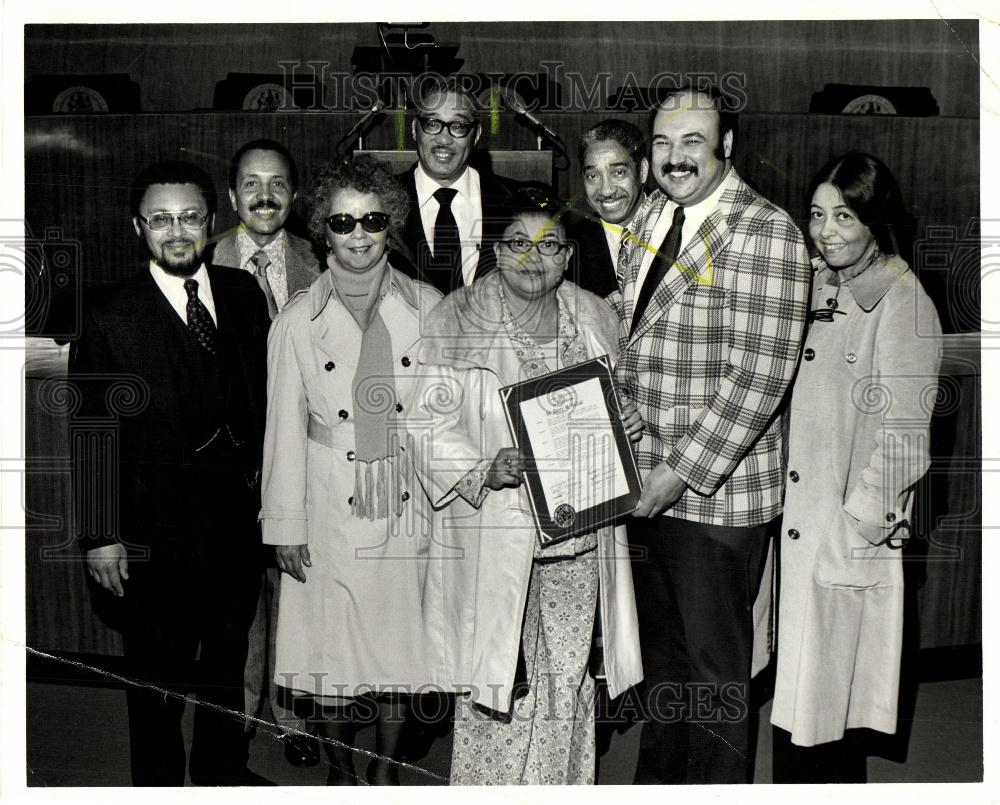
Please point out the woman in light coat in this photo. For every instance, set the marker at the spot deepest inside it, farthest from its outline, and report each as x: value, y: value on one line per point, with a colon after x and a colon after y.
x: 349, y: 522
x: 858, y: 443
x: 516, y: 620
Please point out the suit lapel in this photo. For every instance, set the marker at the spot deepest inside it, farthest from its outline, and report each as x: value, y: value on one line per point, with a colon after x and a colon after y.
x: 694, y: 266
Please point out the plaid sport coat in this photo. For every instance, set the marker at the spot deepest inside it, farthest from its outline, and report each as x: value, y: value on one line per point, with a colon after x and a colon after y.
x: 714, y: 353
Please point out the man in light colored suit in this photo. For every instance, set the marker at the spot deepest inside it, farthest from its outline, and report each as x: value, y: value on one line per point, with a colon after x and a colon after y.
x: 712, y: 313
x: 263, y: 183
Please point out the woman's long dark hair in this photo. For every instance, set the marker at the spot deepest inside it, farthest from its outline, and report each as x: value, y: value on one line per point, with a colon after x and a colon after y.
x: 870, y: 190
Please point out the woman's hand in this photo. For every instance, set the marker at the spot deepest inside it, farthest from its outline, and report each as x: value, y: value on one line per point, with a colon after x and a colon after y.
x: 634, y: 426
x: 506, y: 469
x: 292, y: 559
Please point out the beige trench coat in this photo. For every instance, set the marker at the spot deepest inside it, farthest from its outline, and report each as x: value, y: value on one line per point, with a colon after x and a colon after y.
x: 356, y: 623
x: 858, y: 442
x: 477, y: 589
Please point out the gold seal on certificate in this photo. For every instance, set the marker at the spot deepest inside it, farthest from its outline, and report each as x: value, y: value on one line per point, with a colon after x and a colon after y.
x: 580, y: 472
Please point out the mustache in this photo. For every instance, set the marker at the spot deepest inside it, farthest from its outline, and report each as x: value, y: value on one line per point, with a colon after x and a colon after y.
x: 266, y: 204
x: 676, y: 166
x: 178, y: 242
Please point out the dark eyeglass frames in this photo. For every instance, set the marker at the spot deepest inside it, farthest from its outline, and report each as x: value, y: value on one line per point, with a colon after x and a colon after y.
x: 371, y: 222
x: 456, y: 128
x: 548, y: 248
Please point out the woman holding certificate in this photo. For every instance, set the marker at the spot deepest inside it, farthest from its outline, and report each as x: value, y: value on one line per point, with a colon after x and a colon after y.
x: 516, y: 618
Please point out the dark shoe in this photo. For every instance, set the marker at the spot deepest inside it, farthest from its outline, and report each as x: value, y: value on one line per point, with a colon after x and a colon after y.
x: 302, y: 751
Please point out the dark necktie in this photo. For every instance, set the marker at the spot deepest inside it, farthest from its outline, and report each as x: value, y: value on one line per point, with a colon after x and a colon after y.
x: 199, y: 320
x: 262, y: 261
x: 666, y: 256
x: 447, y: 245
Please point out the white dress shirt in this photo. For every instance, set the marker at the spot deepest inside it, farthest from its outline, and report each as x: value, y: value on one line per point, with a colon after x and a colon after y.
x: 467, y: 207
x: 694, y: 217
x: 173, y: 288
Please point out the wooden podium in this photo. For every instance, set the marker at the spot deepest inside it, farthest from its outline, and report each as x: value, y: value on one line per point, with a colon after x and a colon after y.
x: 522, y: 166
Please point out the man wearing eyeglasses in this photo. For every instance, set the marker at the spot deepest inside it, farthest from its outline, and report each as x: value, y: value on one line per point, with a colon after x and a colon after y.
x: 172, y: 363
x: 263, y: 183
x: 454, y: 217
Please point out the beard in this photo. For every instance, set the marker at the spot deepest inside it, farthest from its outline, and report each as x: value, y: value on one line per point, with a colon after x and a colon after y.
x: 180, y: 262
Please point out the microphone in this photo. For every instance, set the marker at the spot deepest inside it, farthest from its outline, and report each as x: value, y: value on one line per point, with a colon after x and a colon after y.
x: 359, y: 127
x: 377, y: 107
x: 522, y: 110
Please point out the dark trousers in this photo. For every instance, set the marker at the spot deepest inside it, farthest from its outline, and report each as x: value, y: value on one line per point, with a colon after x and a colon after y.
x: 178, y: 611
x: 695, y: 587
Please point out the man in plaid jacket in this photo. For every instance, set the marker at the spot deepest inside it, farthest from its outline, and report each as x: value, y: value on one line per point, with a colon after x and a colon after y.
x: 708, y: 351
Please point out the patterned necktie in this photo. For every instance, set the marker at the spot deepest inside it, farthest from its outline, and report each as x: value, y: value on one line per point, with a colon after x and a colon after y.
x: 262, y: 261
x: 447, y: 245
x: 666, y: 256
x: 199, y: 320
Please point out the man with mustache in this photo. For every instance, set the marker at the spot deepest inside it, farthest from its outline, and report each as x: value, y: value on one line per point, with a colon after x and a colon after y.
x: 263, y: 183
x: 713, y: 307
x: 172, y: 364
x: 614, y: 166
x: 455, y: 211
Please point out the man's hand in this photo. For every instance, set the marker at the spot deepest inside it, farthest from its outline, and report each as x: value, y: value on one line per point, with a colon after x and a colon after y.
x: 506, y: 469
x: 292, y: 559
x: 108, y: 565
x: 634, y: 426
x: 661, y: 489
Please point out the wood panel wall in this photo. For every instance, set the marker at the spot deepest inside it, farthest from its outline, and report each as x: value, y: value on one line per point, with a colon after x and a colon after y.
x: 78, y: 170
x: 780, y: 63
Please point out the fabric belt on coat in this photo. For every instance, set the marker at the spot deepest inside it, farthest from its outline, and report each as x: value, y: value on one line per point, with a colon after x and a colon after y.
x: 319, y: 432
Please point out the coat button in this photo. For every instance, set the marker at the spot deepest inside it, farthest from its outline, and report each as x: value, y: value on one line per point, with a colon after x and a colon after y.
x: 832, y: 303
x: 852, y: 358
x: 399, y: 408
x: 342, y: 414
x: 329, y: 366
x: 405, y: 496
x: 350, y: 500
x: 890, y: 517
x: 793, y: 533
x: 350, y: 455
x: 793, y: 476
x: 809, y: 354
x: 405, y: 361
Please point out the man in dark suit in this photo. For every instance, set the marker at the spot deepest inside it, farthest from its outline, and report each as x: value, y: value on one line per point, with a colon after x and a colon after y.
x: 614, y: 166
x: 455, y: 211
x: 174, y: 357
x: 263, y: 183
x: 715, y: 289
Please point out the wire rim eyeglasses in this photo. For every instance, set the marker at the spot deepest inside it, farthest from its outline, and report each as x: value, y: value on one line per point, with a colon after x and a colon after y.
x: 189, y: 219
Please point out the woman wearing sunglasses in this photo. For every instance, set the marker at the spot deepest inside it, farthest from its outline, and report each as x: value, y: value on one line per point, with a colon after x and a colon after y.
x: 340, y: 505
x: 858, y: 443
x: 518, y: 618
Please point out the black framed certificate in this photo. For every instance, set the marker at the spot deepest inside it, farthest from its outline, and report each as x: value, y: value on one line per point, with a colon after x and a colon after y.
x: 580, y: 472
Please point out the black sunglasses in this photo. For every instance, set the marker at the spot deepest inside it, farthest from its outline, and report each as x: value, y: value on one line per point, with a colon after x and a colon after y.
x: 371, y: 222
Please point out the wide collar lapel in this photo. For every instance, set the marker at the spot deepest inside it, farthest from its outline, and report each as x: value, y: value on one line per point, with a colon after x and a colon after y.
x: 696, y: 264
x: 399, y: 310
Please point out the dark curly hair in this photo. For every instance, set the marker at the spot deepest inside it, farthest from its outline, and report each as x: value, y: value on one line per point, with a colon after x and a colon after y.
x: 365, y: 175
x: 534, y: 197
